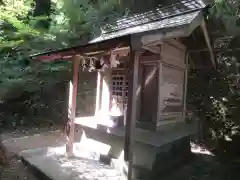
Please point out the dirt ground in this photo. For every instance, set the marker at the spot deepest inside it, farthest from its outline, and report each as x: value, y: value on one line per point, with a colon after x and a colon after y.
x: 203, y: 167
x: 13, y: 141
x: 16, y: 171
x: 200, y: 169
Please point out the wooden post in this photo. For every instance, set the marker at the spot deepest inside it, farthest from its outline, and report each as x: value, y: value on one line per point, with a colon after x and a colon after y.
x: 99, y: 92
x: 106, y: 91
x: 185, y: 87
x: 72, y: 104
x: 160, y: 81
x: 207, y: 39
x: 131, y: 110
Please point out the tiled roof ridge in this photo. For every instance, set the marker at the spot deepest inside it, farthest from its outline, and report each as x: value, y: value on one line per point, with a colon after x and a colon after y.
x: 155, y: 11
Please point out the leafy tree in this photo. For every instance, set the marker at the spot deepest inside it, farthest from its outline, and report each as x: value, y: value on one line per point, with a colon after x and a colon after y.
x: 217, y: 99
x: 21, y: 35
x: 225, y: 13
x: 29, y: 27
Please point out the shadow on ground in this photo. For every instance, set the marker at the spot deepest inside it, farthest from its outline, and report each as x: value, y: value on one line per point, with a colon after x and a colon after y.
x: 208, y: 166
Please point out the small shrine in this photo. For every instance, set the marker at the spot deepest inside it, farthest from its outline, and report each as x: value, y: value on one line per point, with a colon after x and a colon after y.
x: 142, y: 68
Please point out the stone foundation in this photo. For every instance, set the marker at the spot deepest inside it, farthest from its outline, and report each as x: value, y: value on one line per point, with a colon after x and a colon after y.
x: 155, y: 153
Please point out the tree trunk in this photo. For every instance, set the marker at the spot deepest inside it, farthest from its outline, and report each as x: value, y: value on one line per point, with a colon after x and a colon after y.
x: 43, y: 8
x: 3, y: 156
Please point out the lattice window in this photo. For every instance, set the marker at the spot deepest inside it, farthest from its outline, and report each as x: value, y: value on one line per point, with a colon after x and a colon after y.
x: 119, y: 90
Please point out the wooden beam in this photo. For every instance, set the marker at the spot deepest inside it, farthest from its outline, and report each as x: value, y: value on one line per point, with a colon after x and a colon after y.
x: 207, y: 39
x: 191, y: 61
x: 198, y: 50
x: 72, y: 104
x: 122, y: 51
x: 131, y: 110
x: 154, y: 49
x: 216, y: 50
x: 177, y: 43
x: 90, y: 48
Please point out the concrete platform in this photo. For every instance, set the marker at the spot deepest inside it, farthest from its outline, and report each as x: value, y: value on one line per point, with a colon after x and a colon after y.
x: 52, y: 163
x: 24, y: 142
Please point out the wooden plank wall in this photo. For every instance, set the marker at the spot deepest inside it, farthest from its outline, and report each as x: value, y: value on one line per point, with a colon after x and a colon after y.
x: 173, y: 55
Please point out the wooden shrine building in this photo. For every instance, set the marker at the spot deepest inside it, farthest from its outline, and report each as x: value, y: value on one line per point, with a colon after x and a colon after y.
x: 142, y: 62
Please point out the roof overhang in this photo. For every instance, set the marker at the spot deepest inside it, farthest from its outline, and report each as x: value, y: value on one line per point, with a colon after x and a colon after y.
x: 181, y: 25
x: 138, y: 36
x: 183, y: 29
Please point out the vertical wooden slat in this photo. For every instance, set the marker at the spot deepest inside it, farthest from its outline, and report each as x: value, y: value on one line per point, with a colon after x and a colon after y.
x: 159, y: 86
x: 109, y: 84
x: 125, y: 72
x: 106, y: 91
x: 99, y: 92
x: 185, y: 87
x: 159, y: 92
x: 149, y: 93
x: 139, y: 91
x: 131, y: 110
x: 72, y: 104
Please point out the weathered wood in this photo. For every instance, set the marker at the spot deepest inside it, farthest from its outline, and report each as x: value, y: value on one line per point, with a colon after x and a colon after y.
x: 99, y: 92
x: 159, y: 91
x: 207, y: 39
x: 172, y: 55
x: 185, y: 87
x: 158, y: 36
x: 149, y: 93
x: 106, y: 91
x: 174, y: 58
x: 149, y: 58
x: 125, y: 90
x: 72, y: 104
x: 99, y: 47
x: 154, y: 49
x: 176, y: 43
x: 131, y: 110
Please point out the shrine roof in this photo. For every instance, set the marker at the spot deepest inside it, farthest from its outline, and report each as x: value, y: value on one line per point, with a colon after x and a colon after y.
x: 182, y: 13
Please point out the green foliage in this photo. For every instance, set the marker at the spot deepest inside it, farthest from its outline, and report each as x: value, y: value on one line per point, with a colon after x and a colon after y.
x: 225, y: 13
x: 21, y: 34
x: 217, y: 98
x: 14, y: 28
x: 75, y: 21
x: 71, y: 22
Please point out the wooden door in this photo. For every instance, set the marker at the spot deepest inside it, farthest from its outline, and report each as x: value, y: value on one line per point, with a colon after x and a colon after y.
x: 149, y: 92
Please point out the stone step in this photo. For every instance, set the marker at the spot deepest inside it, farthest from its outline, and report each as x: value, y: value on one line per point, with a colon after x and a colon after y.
x: 56, y: 166
x: 139, y: 172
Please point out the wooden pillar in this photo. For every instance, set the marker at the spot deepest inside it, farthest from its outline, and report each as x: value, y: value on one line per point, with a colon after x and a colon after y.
x: 160, y: 82
x: 131, y: 110
x: 99, y: 92
x: 106, y: 91
x: 72, y: 104
x: 185, y: 87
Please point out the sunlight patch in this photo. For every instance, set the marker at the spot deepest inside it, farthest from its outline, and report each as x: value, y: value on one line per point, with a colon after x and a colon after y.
x: 197, y: 149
